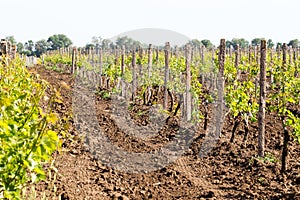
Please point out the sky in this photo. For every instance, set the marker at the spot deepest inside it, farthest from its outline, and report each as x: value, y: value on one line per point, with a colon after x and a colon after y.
x: 80, y: 20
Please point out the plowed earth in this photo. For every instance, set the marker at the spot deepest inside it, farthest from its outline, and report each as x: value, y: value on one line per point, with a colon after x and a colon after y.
x: 229, y: 171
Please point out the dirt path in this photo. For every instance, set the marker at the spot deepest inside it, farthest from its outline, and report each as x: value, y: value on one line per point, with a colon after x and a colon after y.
x: 230, y: 171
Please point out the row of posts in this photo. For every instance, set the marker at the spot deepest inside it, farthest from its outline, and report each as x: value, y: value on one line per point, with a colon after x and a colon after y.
x: 254, y: 55
x: 7, y: 51
x: 136, y: 68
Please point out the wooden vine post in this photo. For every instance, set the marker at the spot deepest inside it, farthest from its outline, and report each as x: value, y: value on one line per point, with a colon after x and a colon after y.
x: 73, y: 60
x: 221, y: 57
x: 122, y: 71
x: 295, y: 60
x: 176, y: 51
x: 230, y: 52
x: 290, y: 50
x: 271, y: 66
x: 188, y: 105
x: 93, y: 58
x: 294, y: 54
x: 257, y: 54
x: 147, y: 97
x: 134, y: 78
x: 278, y: 49
x: 100, y: 64
x: 237, y: 61
x: 116, y: 55
x: 167, y: 51
x: 89, y: 51
x: 250, y: 54
x: 286, y: 136
x: 140, y: 64
x: 13, y: 50
x: 202, y: 64
x: 80, y: 51
x: 262, y: 100
x: 212, y: 70
x: 157, y: 52
x: 4, y: 50
x: 220, y: 87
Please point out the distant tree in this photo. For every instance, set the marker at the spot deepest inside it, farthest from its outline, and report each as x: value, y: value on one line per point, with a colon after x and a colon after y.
x: 207, y: 43
x: 11, y: 38
x: 87, y: 46
x: 112, y: 45
x: 278, y: 45
x: 228, y: 43
x: 105, y: 43
x: 29, y: 48
x: 58, y: 41
x: 270, y: 43
x: 127, y: 42
x: 20, y: 47
x: 195, y: 42
x: 256, y: 41
x: 294, y: 43
x: 122, y: 40
x: 136, y: 43
x: 41, y: 47
x: 243, y: 43
x: 239, y: 41
x: 96, y: 41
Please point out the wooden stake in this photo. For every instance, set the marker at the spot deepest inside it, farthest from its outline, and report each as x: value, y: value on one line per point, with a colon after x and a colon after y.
x: 286, y: 136
x: 122, y: 71
x: 237, y: 61
x: 147, y: 98
x: 73, y: 60
x: 262, y: 100
x: 167, y: 50
x: 134, y: 78
x: 188, y: 105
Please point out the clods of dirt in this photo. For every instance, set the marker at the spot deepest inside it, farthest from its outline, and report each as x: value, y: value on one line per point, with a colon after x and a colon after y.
x: 228, y: 171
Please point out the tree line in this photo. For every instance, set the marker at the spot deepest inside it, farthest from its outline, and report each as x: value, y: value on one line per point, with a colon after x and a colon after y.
x: 57, y: 41
x: 243, y: 43
x: 31, y: 48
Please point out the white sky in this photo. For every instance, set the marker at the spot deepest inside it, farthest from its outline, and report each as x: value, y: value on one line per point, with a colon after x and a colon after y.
x: 201, y: 19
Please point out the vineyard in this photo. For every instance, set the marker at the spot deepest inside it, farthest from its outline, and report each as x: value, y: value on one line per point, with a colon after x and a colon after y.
x: 219, y: 123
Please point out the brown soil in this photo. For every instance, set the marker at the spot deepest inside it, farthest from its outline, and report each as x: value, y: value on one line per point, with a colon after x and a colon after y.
x: 229, y: 171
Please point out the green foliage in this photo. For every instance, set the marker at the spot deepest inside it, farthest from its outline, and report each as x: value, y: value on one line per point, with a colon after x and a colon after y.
x: 239, y: 100
x: 128, y: 42
x: 12, y: 39
x: 26, y: 137
x: 207, y: 43
x: 104, y: 94
x: 269, y: 158
x: 195, y: 42
x: 41, y: 47
x: 286, y: 93
x: 106, y: 43
x: 294, y: 123
x: 270, y: 43
x: 29, y: 48
x: 294, y: 43
x: 58, y: 41
x: 237, y: 41
x: 256, y: 41
x: 56, y: 59
x: 88, y: 46
x: 20, y: 47
x: 240, y: 94
x: 96, y: 41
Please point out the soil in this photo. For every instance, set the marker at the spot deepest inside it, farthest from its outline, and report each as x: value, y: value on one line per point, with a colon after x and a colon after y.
x: 229, y: 171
